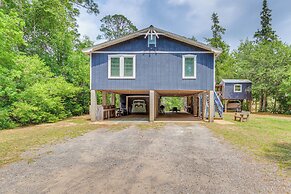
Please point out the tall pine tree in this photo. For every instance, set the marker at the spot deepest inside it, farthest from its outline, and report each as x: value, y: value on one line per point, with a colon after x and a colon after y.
x: 222, y: 66
x: 266, y: 33
x: 265, y: 36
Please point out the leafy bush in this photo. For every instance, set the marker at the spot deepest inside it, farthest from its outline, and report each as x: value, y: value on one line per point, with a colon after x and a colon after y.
x: 45, y: 102
x: 5, y: 121
x: 34, y: 95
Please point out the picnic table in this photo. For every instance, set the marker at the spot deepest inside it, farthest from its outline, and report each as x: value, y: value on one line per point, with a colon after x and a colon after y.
x: 241, y: 116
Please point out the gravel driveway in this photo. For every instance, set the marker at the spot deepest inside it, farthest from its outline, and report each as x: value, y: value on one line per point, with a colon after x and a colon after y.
x: 172, y: 159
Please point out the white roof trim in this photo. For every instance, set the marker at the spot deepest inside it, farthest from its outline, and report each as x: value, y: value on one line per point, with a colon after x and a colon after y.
x: 236, y: 81
x: 97, y: 47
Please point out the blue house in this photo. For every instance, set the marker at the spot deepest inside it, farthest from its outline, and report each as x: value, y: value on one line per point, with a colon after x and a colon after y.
x: 152, y: 63
x: 233, y: 92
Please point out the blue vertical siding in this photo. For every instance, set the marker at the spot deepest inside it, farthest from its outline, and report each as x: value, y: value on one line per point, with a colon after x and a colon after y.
x: 154, y: 71
x: 228, y: 92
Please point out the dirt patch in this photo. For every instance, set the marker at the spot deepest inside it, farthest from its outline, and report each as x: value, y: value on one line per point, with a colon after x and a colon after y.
x: 223, y: 122
x: 271, y: 115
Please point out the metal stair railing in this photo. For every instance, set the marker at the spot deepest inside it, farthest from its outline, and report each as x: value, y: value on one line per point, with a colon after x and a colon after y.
x: 218, y: 105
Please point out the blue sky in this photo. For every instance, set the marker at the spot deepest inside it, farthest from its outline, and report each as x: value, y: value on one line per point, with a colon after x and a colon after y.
x: 192, y: 17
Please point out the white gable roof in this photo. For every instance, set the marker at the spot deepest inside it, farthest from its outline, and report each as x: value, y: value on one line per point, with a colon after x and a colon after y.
x: 97, y: 47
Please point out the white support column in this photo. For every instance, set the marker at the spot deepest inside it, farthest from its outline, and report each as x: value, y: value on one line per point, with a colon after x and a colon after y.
x: 93, y: 106
x: 152, y: 106
x: 211, y: 106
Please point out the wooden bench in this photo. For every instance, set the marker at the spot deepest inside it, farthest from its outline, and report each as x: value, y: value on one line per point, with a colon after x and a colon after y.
x: 241, y: 116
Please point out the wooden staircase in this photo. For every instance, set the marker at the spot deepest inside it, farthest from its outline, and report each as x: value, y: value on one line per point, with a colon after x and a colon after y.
x: 218, y: 105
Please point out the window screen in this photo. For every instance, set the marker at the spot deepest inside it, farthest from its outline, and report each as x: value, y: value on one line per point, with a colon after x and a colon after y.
x: 189, y: 67
x: 128, y: 66
x: 115, y: 67
x: 152, y: 40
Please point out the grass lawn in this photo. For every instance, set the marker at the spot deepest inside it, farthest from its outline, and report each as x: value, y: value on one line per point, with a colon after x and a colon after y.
x: 14, y: 142
x: 266, y: 135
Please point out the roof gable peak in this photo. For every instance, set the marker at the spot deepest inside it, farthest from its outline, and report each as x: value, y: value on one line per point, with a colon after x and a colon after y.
x: 151, y: 30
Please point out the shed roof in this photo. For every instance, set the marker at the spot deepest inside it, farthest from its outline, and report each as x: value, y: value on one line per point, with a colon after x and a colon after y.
x: 97, y: 47
x: 236, y: 81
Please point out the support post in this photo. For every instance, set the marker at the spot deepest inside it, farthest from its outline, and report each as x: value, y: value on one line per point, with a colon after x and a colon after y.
x: 195, y: 105
x: 157, y: 104
x: 185, y: 101
x: 250, y: 105
x: 204, y: 105
x: 225, y: 105
x: 152, y: 106
x: 93, y: 106
x: 104, y: 98
x: 211, y: 106
x: 112, y: 99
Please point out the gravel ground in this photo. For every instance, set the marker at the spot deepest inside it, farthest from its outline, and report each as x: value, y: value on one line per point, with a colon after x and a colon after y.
x: 173, y: 159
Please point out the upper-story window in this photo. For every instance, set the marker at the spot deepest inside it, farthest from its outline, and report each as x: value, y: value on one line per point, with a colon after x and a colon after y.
x: 121, y: 66
x: 189, y: 67
x: 237, y: 88
x: 152, y: 40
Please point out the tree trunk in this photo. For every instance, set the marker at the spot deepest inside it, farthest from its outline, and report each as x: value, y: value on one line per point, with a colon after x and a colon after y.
x: 275, y: 106
x: 261, y: 102
x: 264, y: 102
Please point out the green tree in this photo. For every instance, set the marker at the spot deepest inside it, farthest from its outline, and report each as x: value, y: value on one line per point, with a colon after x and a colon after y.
x: 170, y: 102
x: 11, y: 36
x: 266, y: 33
x: 285, y: 90
x: 44, y: 76
x: 115, y: 26
x: 266, y: 64
x: 216, y: 41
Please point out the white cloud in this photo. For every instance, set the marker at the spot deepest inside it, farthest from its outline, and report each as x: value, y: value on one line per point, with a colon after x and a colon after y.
x: 283, y: 30
x: 89, y: 24
x: 199, y: 13
x: 132, y: 9
x: 191, y: 17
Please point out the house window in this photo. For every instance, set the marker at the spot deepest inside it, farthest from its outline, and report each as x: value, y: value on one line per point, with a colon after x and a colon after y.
x: 152, y: 40
x: 237, y: 88
x: 189, y: 67
x: 121, y: 67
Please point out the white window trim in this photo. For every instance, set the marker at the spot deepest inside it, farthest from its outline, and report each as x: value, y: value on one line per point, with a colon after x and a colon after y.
x: 121, y: 70
x: 155, y: 44
x: 183, y: 68
x: 236, y: 91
